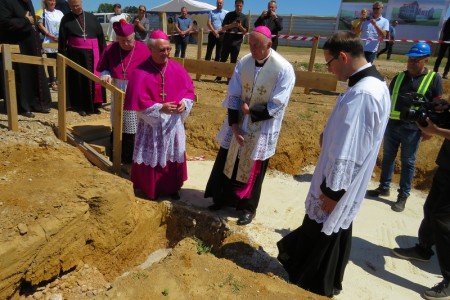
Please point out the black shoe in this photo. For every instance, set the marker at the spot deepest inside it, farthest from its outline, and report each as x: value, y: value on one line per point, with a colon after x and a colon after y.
x: 413, y: 253
x: 45, y: 110
x: 246, y: 218
x: 97, y: 111
x: 215, y: 207
x: 399, y: 206
x: 175, y: 196
x: 439, y: 291
x: 28, y: 114
x: 82, y: 113
x: 218, y: 79
x: 378, y: 192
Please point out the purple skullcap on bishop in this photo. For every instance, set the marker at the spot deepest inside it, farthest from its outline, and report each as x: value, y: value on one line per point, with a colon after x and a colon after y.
x: 264, y: 31
x: 159, y: 34
x: 122, y: 28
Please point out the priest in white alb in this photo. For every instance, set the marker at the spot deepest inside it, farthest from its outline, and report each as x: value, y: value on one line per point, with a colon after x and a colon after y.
x: 315, y: 254
x: 258, y: 94
x: 162, y: 93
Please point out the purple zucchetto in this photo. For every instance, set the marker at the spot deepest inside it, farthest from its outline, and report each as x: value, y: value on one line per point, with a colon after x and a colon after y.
x: 264, y: 31
x: 122, y: 28
x: 159, y: 35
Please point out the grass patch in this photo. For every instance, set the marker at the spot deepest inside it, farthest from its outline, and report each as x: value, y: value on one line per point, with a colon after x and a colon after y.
x: 201, y: 247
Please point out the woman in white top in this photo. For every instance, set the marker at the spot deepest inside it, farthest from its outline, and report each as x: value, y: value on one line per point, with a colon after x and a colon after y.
x: 49, y: 22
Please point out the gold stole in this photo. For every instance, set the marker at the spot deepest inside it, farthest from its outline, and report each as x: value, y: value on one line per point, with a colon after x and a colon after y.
x: 257, y: 92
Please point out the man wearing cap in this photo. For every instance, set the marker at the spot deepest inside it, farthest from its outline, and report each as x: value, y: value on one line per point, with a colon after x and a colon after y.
x: 315, y: 254
x: 258, y: 94
x: 273, y: 21
x: 416, y: 79
x: 215, y: 36
x: 81, y: 39
x: 374, y: 29
x: 116, y: 17
x: 162, y: 93
x: 117, y: 63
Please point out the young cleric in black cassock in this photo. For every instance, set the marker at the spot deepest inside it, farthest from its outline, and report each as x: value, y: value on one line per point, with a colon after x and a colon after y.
x: 32, y: 89
x: 81, y: 39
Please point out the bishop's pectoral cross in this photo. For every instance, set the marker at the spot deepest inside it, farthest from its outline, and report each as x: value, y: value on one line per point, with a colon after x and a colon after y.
x: 163, y: 95
x: 84, y: 35
x: 124, y: 75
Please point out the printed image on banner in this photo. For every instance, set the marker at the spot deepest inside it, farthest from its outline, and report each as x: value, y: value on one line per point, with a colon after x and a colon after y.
x: 417, y: 20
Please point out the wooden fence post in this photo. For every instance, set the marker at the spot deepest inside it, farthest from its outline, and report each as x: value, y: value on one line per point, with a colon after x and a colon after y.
x: 199, y: 50
x: 62, y: 87
x: 312, y: 57
x: 10, y: 86
x: 117, y: 131
x: 290, y: 29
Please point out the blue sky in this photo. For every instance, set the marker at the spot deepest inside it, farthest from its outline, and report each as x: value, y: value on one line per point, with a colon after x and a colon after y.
x: 285, y: 7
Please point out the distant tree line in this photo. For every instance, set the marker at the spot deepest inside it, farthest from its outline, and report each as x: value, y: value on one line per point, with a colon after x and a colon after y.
x: 108, y: 8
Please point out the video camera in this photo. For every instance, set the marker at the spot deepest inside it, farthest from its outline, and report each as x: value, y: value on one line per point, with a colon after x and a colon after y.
x: 420, y: 109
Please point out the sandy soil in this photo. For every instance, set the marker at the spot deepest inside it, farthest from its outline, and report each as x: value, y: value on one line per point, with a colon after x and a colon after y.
x: 69, y: 230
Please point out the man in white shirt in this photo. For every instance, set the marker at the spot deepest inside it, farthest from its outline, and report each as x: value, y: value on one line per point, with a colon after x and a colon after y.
x: 373, y: 30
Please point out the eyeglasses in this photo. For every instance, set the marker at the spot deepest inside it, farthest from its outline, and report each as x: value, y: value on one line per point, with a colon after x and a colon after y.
x: 168, y: 49
x: 375, y: 8
x: 328, y: 63
x: 142, y: 10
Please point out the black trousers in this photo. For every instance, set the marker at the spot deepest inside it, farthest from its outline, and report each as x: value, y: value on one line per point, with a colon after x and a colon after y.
x: 435, y: 226
x: 222, y: 189
x: 442, y: 49
x: 230, y: 48
x: 388, y: 48
x: 214, y: 42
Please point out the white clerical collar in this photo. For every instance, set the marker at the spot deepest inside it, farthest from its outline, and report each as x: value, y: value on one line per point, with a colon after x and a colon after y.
x: 368, y: 65
x: 264, y: 59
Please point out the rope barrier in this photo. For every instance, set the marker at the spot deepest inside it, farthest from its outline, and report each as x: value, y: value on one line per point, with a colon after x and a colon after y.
x: 312, y: 38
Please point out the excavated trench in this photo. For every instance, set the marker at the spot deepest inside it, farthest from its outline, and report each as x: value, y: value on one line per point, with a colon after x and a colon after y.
x: 177, y: 222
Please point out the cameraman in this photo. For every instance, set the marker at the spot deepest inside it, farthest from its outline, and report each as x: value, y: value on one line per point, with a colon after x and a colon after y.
x: 416, y: 79
x: 271, y: 20
x: 435, y: 226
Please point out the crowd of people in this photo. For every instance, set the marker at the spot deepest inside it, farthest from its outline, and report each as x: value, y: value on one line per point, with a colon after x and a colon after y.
x: 160, y: 94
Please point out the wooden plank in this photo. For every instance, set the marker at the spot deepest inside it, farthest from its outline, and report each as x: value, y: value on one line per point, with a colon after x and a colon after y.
x: 117, y: 132
x: 11, y: 100
x: 99, y: 148
x: 50, y: 45
x: 91, y: 131
x: 91, y: 154
x: 199, y: 50
x: 33, y: 60
x: 10, y: 88
x: 313, y: 80
x: 209, y: 67
x: 178, y: 60
x: 13, y: 48
x: 312, y: 57
x: 61, y: 75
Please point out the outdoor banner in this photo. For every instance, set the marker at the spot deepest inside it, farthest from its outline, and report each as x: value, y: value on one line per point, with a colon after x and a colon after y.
x: 417, y: 20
